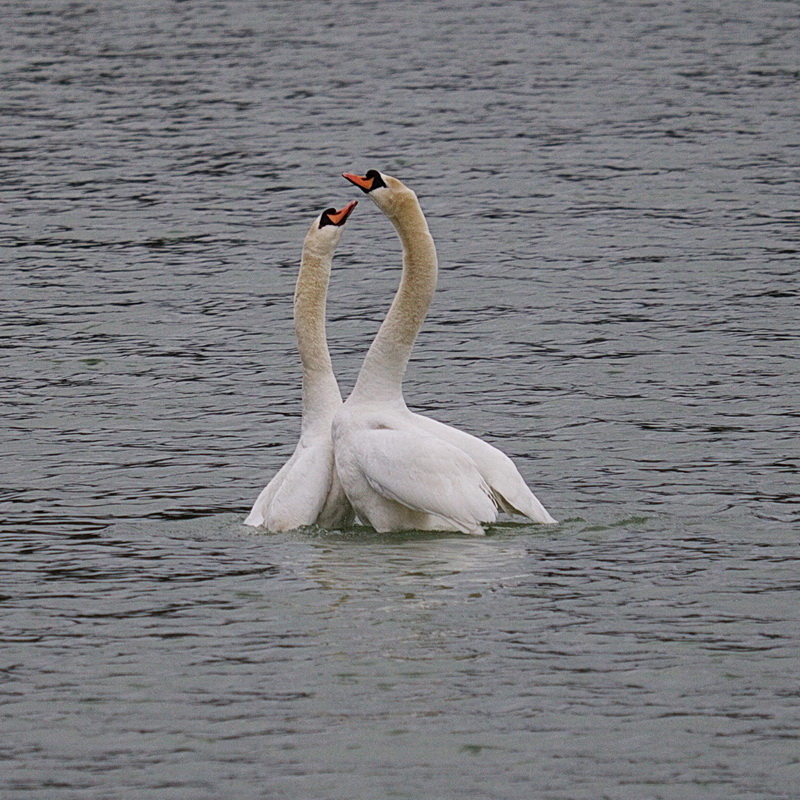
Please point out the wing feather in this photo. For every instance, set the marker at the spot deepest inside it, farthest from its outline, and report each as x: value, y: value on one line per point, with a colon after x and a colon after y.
x: 426, y: 474
x: 498, y: 470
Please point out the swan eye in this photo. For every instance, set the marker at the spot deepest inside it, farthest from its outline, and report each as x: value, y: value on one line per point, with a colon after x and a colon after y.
x: 325, y: 219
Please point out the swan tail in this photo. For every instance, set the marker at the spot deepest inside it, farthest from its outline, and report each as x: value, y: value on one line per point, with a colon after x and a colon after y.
x: 524, y: 504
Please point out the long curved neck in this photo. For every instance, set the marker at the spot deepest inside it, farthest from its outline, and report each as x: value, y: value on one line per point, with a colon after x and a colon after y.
x: 381, y: 375
x: 321, y: 395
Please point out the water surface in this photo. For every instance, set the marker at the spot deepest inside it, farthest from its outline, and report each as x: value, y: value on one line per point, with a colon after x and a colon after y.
x: 613, y: 193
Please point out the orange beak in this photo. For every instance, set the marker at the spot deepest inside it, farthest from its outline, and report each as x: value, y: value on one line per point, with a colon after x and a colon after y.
x: 340, y: 217
x: 365, y: 184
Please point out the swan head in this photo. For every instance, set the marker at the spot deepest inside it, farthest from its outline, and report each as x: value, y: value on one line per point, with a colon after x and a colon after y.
x: 389, y: 194
x: 326, y: 230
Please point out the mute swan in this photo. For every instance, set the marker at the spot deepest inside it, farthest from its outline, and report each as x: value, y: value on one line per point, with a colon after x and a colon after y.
x: 306, y: 490
x: 402, y: 470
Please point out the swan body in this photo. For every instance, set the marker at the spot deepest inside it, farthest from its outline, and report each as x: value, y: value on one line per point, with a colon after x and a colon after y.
x: 400, y: 477
x: 306, y: 490
x: 401, y: 470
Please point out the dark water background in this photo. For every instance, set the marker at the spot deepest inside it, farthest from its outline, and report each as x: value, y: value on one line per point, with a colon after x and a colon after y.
x: 613, y: 188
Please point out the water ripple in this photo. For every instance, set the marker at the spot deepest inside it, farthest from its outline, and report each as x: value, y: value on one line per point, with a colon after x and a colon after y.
x: 612, y: 189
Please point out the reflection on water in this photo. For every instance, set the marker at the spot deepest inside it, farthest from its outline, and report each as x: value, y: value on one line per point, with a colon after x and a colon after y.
x: 610, y: 188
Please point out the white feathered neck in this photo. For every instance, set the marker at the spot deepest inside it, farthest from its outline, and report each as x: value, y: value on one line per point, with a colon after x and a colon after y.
x: 381, y: 375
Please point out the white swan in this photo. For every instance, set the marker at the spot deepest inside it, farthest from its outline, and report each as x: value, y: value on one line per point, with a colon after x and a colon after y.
x: 306, y: 490
x: 400, y: 470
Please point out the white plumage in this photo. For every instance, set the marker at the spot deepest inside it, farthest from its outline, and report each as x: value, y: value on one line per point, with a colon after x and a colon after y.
x: 400, y: 470
x: 399, y: 477
x: 306, y: 490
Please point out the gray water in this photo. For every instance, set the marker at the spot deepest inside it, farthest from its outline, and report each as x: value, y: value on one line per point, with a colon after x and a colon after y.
x: 613, y: 191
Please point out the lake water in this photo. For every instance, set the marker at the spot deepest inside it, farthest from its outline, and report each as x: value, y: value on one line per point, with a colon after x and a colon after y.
x: 613, y: 191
